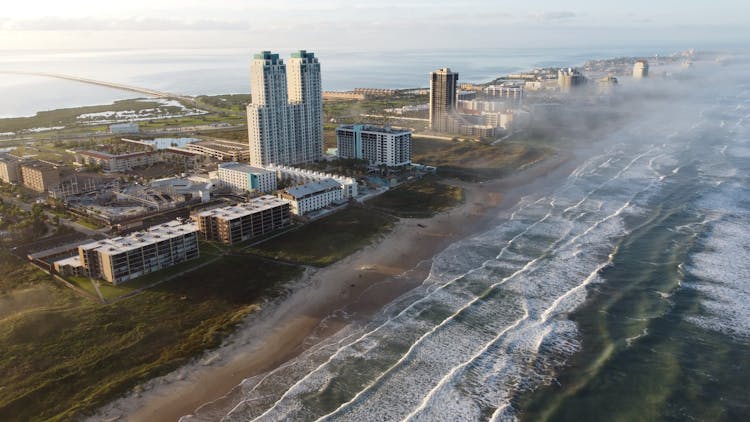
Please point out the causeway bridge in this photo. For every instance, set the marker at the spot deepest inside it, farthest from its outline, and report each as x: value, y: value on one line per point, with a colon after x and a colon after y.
x: 123, y: 87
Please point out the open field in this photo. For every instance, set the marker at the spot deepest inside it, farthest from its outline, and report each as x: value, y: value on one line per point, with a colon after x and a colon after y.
x: 419, y: 199
x: 68, y: 116
x: 63, y: 355
x: 329, y: 239
x: 475, y: 161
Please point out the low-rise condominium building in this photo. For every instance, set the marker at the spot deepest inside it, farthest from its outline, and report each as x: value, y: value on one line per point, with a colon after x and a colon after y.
x: 241, y: 222
x: 242, y: 177
x: 313, y: 196
x: 124, y: 258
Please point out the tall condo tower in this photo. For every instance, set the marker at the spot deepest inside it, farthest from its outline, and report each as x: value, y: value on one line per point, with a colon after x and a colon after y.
x: 640, y: 69
x: 443, y: 85
x: 285, y: 118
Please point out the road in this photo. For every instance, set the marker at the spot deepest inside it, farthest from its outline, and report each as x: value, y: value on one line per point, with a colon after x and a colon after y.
x: 115, y: 85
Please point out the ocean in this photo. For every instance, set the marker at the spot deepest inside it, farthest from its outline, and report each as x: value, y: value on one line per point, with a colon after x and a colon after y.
x: 621, y: 294
x: 227, y: 71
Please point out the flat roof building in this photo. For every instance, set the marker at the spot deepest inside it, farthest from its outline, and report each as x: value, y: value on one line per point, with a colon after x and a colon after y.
x: 443, y: 84
x: 377, y: 145
x: 313, y: 196
x: 10, y: 168
x: 40, y: 176
x: 221, y: 150
x: 124, y: 258
x: 302, y: 176
x: 242, y: 177
x: 241, y: 222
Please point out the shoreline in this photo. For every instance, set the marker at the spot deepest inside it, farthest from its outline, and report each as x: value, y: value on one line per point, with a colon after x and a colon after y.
x: 359, y: 285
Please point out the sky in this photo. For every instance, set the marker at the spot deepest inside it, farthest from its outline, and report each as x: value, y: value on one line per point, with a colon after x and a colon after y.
x: 358, y: 24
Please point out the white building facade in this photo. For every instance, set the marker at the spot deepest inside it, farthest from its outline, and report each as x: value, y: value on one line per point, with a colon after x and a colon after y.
x: 296, y: 175
x: 313, y: 196
x: 285, y: 118
x: 242, y: 177
x: 377, y: 145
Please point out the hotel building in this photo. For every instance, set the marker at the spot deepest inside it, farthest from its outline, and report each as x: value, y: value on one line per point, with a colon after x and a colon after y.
x: 238, y: 223
x: 242, y: 177
x: 377, y: 145
x: 285, y: 118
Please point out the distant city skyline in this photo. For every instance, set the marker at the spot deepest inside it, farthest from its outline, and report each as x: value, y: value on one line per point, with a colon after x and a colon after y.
x: 286, y: 24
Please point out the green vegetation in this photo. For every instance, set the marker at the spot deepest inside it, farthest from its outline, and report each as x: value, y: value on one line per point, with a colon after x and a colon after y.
x: 474, y: 161
x: 68, y: 116
x: 63, y: 355
x: 22, y: 226
x: 231, y: 102
x: 111, y: 292
x: 419, y: 199
x: 329, y: 239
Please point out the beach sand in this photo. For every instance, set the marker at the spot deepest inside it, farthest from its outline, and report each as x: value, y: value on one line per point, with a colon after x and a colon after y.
x: 360, y: 284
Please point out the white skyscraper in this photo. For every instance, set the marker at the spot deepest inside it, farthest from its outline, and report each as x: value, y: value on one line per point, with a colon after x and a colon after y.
x: 285, y: 118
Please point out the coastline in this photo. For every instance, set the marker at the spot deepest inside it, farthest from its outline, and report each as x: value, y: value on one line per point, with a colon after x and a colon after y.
x: 284, y: 329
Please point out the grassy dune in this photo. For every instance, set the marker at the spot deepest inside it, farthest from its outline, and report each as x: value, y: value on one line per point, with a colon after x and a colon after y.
x: 473, y: 160
x: 62, y: 355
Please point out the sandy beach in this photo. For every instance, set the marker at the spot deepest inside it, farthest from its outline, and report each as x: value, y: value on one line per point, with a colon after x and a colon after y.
x: 361, y: 284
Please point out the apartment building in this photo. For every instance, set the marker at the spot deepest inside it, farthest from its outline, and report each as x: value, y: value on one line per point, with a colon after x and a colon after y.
x: 242, y: 177
x: 10, y: 169
x: 241, y: 222
x: 377, y: 145
x: 298, y: 176
x: 313, y: 196
x: 40, y: 176
x: 120, y: 259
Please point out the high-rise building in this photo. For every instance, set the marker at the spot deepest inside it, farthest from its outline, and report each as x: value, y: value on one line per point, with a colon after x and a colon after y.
x: 443, y: 84
x: 640, y: 69
x: 285, y: 118
x: 377, y: 145
x: 568, y: 79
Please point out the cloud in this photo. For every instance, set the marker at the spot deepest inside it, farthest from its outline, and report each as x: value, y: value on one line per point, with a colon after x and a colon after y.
x: 553, y: 16
x: 119, y: 24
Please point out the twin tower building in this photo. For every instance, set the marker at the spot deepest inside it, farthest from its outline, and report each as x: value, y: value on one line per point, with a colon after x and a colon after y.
x: 285, y: 117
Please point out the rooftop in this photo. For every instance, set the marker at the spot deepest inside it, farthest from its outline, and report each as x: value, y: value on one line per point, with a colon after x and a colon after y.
x: 377, y: 129
x: 312, y: 188
x: 253, y: 206
x: 245, y: 168
x: 153, y: 234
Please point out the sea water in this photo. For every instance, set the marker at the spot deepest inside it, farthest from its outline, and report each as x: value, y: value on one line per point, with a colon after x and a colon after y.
x: 623, y: 294
x: 227, y: 70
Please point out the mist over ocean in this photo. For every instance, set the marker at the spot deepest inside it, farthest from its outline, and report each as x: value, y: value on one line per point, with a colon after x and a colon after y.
x: 227, y: 71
